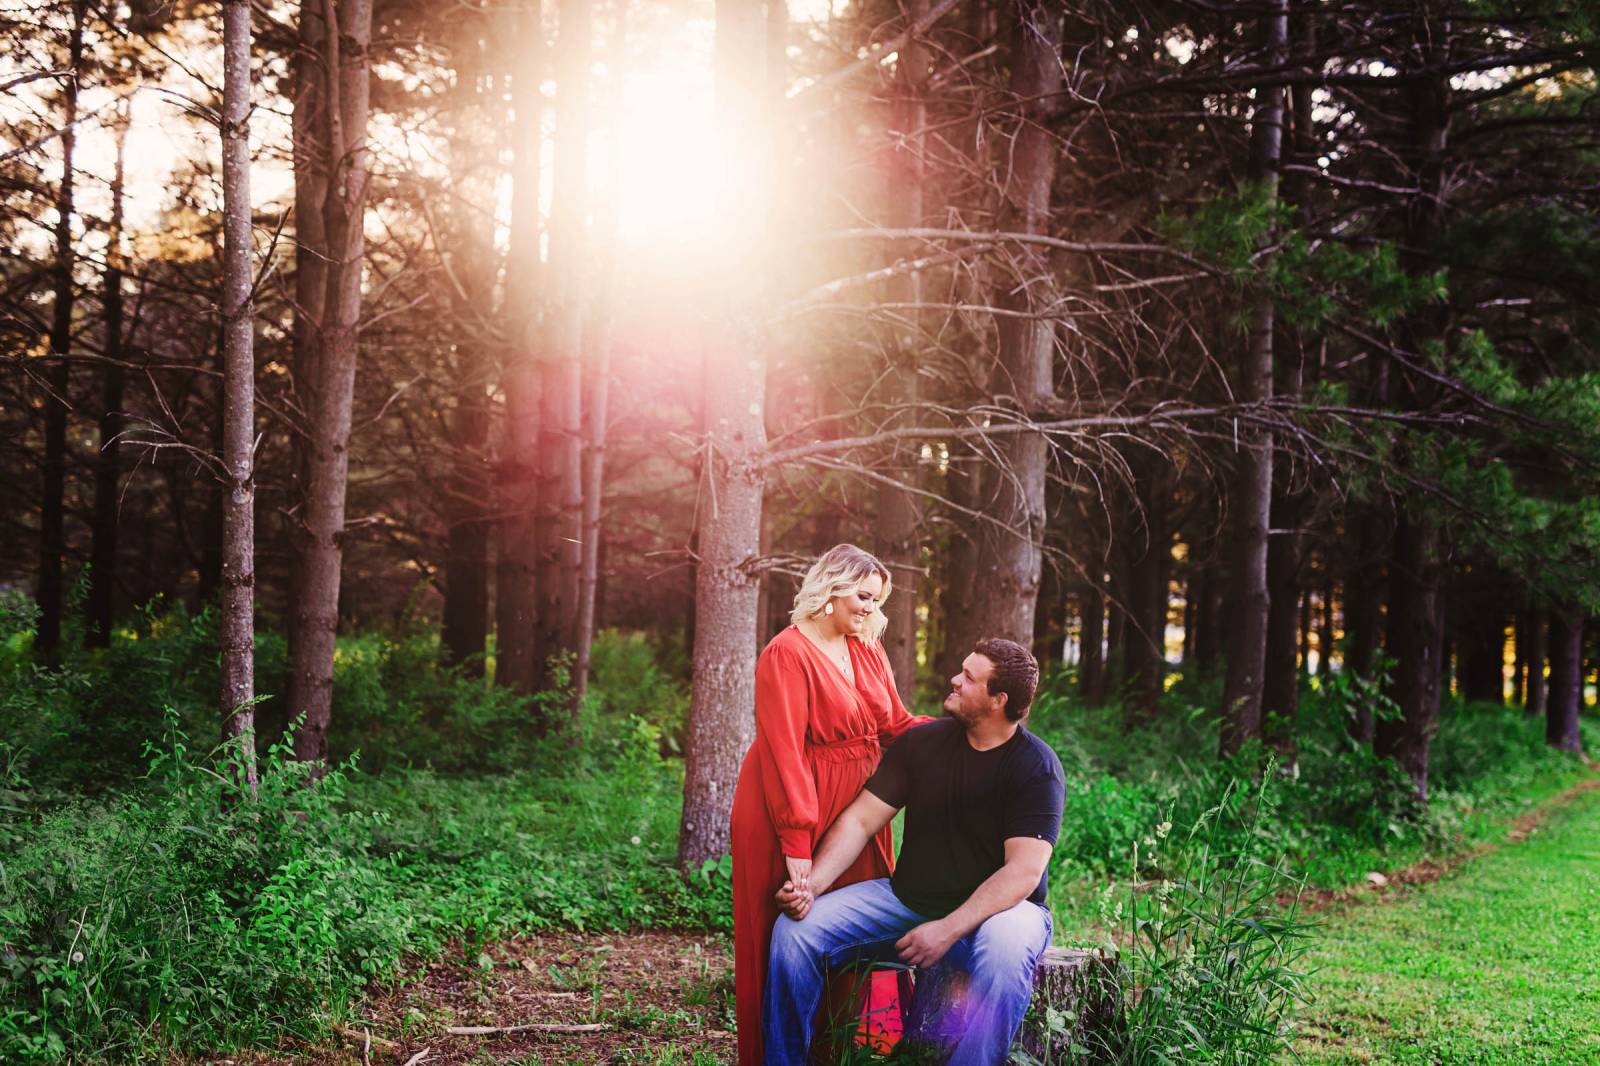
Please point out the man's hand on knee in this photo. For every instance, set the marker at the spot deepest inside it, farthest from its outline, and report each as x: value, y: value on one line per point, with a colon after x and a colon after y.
x: 794, y: 902
x: 927, y: 943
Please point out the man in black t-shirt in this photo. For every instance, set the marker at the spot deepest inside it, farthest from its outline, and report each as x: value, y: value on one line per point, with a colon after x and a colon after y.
x: 983, y: 799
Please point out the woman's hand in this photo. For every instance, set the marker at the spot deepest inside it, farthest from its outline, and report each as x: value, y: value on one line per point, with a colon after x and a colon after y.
x: 799, y: 873
x: 795, y: 904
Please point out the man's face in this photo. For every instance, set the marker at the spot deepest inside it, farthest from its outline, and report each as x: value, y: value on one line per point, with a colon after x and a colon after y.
x: 969, y: 700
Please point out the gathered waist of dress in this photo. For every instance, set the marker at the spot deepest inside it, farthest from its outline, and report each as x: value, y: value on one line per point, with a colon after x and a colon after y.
x: 846, y: 749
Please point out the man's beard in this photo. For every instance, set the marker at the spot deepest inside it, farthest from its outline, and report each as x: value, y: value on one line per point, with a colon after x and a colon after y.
x: 960, y: 714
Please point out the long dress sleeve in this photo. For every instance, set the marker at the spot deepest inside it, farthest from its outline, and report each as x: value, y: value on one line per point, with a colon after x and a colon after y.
x: 783, y: 696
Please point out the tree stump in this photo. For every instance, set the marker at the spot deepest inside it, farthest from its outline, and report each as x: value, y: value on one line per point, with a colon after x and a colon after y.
x: 1074, y: 1008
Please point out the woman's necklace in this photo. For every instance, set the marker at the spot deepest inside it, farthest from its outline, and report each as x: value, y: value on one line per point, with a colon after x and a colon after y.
x: 841, y: 658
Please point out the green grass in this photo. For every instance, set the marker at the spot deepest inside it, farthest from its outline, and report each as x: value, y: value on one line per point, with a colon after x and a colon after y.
x: 1498, y: 962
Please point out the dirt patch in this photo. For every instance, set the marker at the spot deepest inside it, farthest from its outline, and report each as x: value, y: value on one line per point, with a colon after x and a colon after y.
x: 1427, y: 871
x: 598, y: 998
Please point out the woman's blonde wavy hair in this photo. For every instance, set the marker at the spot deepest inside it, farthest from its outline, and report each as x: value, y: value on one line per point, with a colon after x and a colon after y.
x: 839, y: 572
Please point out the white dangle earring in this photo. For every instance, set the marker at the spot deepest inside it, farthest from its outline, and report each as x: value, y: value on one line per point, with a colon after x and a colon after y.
x: 827, y: 608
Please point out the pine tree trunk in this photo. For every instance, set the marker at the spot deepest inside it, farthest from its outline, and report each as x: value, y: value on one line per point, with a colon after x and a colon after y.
x: 1416, y: 617
x: 1050, y: 621
x: 1303, y: 649
x: 1325, y: 629
x: 1190, y: 616
x: 1364, y: 603
x: 1519, y: 668
x: 1006, y: 587
x: 107, y: 467
x: 308, y: 130
x: 1242, y: 685
x: 1483, y: 656
x: 722, y: 706
x: 958, y: 566
x: 346, y: 68
x: 1566, y: 680
x: 1091, y: 651
x: 516, y: 573
x: 559, y: 546
x: 1116, y: 670
x: 598, y: 340
x: 1208, y: 619
x: 469, y: 495
x: 52, y: 515
x: 1280, y: 686
x: 237, y: 617
x: 900, y: 521
x: 1538, y: 653
x: 1416, y: 640
x: 595, y: 404
x: 1144, y: 652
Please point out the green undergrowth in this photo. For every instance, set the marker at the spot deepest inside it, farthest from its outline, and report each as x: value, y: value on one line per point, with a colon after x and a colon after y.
x: 1339, y: 815
x: 146, y: 907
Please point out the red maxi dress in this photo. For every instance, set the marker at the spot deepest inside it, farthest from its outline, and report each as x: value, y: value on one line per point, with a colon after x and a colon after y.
x: 818, y: 738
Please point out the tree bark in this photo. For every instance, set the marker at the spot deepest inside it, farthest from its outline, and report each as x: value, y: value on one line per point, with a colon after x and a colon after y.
x: 1242, y: 685
x: 1416, y: 640
x: 466, y: 567
x: 1364, y: 606
x: 722, y: 706
x: 237, y: 619
x: 1303, y: 598
x: 1566, y: 680
x: 900, y: 522
x: 1482, y: 650
x: 308, y: 132
x: 964, y: 486
x: 1091, y: 650
x: 1519, y: 668
x: 1416, y: 624
x: 1116, y: 667
x: 1006, y: 587
x: 1148, y: 570
x: 1050, y: 621
x: 1325, y: 629
x: 52, y: 514
x: 1280, y: 686
x: 517, y: 567
x: 1208, y: 618
x: 597, y: 390
x: 1538, y: 653
x: 107, y: 467
x: 557, y: 539
x: 465, y: 631
x: 345, y: 71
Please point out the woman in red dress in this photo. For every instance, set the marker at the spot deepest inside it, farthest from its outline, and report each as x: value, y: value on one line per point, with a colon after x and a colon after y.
x: 825, y: 704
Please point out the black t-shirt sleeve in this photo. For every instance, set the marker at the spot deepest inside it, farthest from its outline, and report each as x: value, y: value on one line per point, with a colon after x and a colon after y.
x: 891, y: 782
x: 1034, y: 807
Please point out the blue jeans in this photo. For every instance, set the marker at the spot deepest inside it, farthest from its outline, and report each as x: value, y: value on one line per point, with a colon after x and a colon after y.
x: 984, y: 982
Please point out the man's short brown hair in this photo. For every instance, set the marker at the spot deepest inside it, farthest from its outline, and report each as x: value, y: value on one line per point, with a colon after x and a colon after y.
x: 1016, y: 673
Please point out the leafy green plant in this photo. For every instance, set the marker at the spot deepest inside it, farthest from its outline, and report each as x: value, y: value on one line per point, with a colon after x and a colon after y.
x: 1214, y: 940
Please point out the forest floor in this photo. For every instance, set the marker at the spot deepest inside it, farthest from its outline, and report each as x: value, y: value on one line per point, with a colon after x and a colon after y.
x: 662, y: 999
x: 1489, y: 957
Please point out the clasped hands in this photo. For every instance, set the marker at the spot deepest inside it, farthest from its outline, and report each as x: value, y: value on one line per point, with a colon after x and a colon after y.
x: 923, y: 945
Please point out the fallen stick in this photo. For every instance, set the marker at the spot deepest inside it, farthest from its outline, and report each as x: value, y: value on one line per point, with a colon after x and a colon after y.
x: 419, y: 1056
x: 530, y: 1027
x: 364, y: 1035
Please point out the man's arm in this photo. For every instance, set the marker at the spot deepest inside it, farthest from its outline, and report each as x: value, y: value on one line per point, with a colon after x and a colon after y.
x: 1026, y: 858
x: 838, y: 849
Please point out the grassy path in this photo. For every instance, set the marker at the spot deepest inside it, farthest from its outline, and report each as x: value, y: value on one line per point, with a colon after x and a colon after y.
x: 1498, y: 962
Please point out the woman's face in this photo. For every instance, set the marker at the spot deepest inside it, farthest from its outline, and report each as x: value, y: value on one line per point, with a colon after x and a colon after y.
x: 851, y: 611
